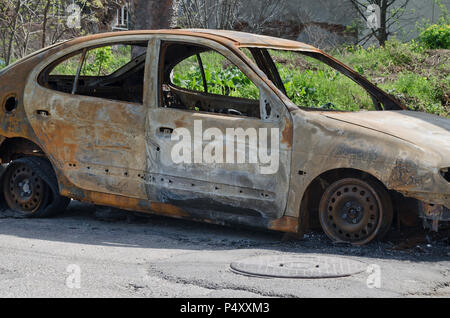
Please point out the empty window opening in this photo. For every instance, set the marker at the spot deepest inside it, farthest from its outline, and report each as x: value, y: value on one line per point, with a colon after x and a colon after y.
x: 112, y: 72
x: 197, y: 78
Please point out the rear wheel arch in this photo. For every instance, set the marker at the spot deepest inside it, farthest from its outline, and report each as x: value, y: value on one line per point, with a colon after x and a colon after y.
x: 18, y: 147
x: 36, y: 176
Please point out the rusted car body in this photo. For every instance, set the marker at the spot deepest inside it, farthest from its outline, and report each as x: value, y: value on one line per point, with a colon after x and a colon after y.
x: 117, y: 152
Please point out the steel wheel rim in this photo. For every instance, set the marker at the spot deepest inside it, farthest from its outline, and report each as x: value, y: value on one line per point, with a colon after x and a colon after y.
x: 25, y: 190
x: 351, y: 211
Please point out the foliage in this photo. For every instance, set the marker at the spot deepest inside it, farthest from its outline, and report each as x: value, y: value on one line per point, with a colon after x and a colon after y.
x: 311, y: 83
x: 222, y: 77
x: 98, y: 62
x: 418, y: 77
x: 28, y: 25
x: 229, y: 14
x: 436, y: 37
x: 383, y: 59
x: 68, y: 67
x: 419, y: 92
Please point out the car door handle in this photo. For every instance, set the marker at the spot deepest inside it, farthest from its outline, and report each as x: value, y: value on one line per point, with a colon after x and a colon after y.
x: 43, y: 113
x: 166, y: 131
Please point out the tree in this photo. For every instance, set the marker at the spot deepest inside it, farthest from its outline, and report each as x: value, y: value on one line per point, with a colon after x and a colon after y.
x: 209, y: 14
x: 230, y: 14
x: 27, y: 25
x: 262, y: 13
x: 11, y: 11
x: 390, y: 12
x: 153, y: 14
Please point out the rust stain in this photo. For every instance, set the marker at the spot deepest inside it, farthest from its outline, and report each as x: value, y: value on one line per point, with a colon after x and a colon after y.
x: 127, y: 203
x: 179, y: 123
x: 285, y: 224
x: 287, y: 133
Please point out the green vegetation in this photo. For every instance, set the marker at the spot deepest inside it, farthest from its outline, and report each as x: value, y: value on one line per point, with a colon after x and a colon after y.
x: 68, y: 67
x: 415, y: 75
x: 222, y: 77
x: 98, y: 62
x: 311, y: 83
x: 419, y: 77
x: 106, y: 60
x: 436, y: 37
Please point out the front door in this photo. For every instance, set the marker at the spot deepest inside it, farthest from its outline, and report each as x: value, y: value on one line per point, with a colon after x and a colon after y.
x: 216, y: 134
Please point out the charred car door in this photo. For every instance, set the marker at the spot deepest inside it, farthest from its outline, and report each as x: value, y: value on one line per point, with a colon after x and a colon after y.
x: 211, y: 149
x: 86, y: 106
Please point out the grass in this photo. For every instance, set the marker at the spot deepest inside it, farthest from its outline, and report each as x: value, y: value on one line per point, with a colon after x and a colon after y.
x: 311, y: 83
x: 420, y: 78
x: 223, y: 78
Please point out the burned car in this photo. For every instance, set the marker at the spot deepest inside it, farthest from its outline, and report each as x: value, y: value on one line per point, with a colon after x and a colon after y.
x: 136, y: 120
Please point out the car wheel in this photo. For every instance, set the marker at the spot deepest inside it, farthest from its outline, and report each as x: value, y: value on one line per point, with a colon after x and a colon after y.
x: 30, y: 188
x: 355, y: 211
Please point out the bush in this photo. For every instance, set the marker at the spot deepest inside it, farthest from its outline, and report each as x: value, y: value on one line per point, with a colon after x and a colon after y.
x: 436, y: 37
x: 394, y: 53
x: 418, y: 76
x: 418, y: 92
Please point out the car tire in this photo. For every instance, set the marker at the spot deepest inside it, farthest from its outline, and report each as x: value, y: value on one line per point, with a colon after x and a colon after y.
x: 30, y: 188
x: 355, y: 211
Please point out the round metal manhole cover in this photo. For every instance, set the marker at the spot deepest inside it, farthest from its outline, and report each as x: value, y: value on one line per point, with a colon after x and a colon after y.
x: 298, y: 266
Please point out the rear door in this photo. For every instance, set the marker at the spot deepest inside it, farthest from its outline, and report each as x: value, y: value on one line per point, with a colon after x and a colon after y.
x: 94, y: 130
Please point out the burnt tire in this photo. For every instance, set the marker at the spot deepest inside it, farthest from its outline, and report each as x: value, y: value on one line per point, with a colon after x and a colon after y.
x: 30, y: 188
x: 355, y: 211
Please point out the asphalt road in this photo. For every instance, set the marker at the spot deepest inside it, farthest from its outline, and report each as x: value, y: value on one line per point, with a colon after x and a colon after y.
x: 89, y: 253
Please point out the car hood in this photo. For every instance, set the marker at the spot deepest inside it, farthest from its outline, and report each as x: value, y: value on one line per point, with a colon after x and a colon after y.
x: 424, y: 130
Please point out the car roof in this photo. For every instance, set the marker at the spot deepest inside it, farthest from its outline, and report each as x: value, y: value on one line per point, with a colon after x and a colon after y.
x: 236, y: 38
x: 249, y: 39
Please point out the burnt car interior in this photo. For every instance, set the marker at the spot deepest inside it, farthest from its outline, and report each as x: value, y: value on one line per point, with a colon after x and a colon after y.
x: 206, y: 97
x: 114, y: 71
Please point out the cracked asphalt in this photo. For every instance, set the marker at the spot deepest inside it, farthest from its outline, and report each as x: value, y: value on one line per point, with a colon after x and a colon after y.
x: 121, y: 254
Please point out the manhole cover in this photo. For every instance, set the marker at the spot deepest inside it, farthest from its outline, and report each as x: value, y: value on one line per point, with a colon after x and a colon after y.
x: 298, y: 266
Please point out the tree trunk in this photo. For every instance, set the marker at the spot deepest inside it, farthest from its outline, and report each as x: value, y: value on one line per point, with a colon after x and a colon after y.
x: 44, y: 23
x: 382, y: 32
x: 153, y: 14
x: 13, y: 31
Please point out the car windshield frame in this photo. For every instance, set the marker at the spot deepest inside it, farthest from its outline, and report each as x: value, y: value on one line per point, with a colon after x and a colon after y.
x: 262, y: 58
